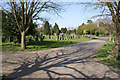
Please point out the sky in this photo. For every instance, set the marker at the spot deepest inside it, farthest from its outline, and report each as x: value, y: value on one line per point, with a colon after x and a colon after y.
x: 72, y: 16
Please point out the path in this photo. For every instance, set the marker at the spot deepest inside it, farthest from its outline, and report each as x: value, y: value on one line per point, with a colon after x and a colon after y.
x: 73, y: 61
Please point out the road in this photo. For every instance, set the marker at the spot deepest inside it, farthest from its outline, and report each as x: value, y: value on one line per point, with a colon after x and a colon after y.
x: 72, y: 61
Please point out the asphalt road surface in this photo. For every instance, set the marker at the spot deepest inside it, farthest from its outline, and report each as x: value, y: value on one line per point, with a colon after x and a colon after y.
x: 73, y: 61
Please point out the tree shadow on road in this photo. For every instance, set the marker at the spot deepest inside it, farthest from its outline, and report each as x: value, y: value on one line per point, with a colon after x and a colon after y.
x: 46, y: 63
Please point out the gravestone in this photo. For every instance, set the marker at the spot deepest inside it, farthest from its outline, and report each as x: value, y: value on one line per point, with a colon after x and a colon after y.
x: 49, y: 37
x: 30, y: 39
x: 10, y: 38
x: 36, y: 39
x: 3, y: 39
x: 42, y: 37
x: 76, y: 37
x: 16, y: 42
x: 19, y: 38
x: 67, y: 37
x: 60, y: 38
x: 73, y: 36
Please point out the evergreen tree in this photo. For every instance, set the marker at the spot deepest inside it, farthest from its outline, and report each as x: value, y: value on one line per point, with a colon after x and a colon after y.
x: 52, y: 32
x: 46, y: 28
x: 56, y: 29
x: 63, y: 30
x: 75, y: 31
x: 9, y: 29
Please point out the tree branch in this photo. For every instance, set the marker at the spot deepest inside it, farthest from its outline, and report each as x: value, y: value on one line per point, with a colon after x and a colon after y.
x: 40, y: 9
x: 111, y: 10
x: 14, y: 14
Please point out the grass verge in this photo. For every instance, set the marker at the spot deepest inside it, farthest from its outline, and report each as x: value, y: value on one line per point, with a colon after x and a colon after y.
x: 44, y: 45
x: 104, y: 53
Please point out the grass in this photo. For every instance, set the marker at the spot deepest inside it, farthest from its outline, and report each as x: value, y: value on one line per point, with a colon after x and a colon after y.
x: 104, y: 53
x: 96, y: 37
x: 46, y: 44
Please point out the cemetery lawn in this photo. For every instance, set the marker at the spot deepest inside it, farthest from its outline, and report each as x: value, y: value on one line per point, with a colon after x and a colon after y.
x: 44, y: 45
x: 103, y: 54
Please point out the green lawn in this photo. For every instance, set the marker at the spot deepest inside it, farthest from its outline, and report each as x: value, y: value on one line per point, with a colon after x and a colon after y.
x: 46, y: 44
x: 103, y: 54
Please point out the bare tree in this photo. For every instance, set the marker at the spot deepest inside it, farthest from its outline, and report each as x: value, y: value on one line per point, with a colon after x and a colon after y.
x: 27, y: 11
x: 108, y: 25
x: 113, y: 8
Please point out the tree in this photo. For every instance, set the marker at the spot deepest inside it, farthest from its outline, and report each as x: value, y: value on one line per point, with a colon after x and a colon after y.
x: 51, y: 32
x: 47, y: 28
x: 63, y: 30
x: 101, y: 30
x: 107, y: 24
x: 32, y: 30
x: 80, y: 29
x: 40, y: 30
x: 91, y: 27
x: 114, y: 9
x: 56, y: 29
x: 89, y: 21
x: 9, y: 29
x: 28, y: 12
x: 74, y: 31
x: 69, y: 32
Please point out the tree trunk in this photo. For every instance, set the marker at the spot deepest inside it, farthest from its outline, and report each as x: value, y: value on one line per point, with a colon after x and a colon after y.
x: 36, y: 39
x: 118, y: 40
x: 110, y: 36
x: 118, y: 31
x: 115, y: 55
x: 19, y: 38
x: 10, y: 39
x: 23, y: 40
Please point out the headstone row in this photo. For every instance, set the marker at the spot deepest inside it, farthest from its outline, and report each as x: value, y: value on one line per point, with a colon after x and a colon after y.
x: 37, y: 38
